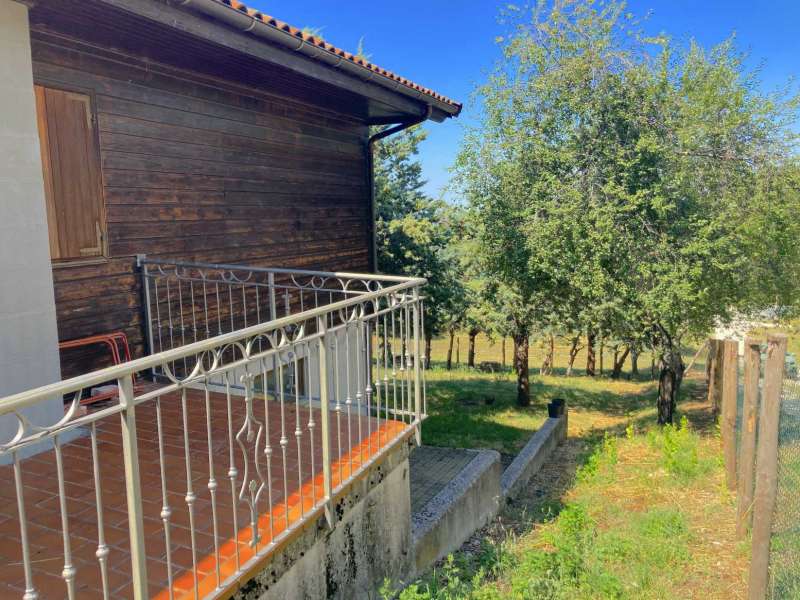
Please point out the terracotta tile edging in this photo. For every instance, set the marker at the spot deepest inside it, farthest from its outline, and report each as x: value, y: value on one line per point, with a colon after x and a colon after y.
x: 183, y: 586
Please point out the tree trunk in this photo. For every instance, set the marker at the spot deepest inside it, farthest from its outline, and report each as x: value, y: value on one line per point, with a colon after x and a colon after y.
x: 669, y: 383
x: 619, y: 362
x: 503, y: 352
x: 521, y: 367
x: 602, y: 347
x: 514, y: 354
x: 547, y: 364
x: 634, y: 361
x: 450, y: 351
x: 458, y: 351
x: 573, y: 353
x: 427, y: 363
x: 473, y: 333
x: 590, y: 364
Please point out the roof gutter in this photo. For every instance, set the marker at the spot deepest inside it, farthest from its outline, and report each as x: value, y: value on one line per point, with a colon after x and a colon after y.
x: 249, y: 24
x: 371, y: 172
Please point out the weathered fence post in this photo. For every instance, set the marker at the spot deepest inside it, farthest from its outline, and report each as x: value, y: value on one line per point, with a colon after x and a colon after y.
x: 712, y: 371
x: 729, y: 370
x: 747, y: 445
x: 766, y: 466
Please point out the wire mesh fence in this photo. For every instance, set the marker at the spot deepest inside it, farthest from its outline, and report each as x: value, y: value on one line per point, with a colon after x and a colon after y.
x: 784, y: 560
x: 754, y: 390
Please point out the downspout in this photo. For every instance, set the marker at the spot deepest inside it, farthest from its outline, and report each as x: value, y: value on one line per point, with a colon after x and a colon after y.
x: 371, y: 172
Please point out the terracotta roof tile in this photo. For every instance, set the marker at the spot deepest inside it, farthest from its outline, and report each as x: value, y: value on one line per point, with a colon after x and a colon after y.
x: 320, y: 43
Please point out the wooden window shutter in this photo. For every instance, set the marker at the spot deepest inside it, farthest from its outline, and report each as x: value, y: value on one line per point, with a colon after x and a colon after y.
x: 70, y: 165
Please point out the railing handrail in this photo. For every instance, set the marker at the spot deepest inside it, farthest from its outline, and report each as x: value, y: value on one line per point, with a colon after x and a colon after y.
x: 143, y: 259
x: 14, y: 402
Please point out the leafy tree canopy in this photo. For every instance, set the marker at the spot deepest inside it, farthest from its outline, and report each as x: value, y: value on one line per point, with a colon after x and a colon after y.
x: 641, y: 187
x: 413, y: 232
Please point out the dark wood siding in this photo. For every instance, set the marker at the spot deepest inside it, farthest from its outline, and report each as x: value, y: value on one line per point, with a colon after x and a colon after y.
x: 200, y: 169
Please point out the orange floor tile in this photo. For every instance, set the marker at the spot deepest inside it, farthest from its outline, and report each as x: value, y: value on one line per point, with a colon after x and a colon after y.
x: 292, y: 496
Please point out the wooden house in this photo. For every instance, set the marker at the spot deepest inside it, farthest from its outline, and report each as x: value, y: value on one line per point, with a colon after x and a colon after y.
x: 198, y: 130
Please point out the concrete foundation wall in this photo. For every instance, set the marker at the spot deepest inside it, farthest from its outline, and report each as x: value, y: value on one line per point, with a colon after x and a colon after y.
x: 466, y: 504
x: 369, y: 543
x: 538, y: 449
x: 28, y: 336
x: 475, y: 496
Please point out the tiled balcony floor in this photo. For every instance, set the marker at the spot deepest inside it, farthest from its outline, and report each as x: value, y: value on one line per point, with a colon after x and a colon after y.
x: 297, y: 492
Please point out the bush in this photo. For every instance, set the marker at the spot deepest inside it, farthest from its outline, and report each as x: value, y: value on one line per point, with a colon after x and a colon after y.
x: 679, y: 449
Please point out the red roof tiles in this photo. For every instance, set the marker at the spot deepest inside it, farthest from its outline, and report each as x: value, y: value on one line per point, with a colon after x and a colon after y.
x: 322, y: 44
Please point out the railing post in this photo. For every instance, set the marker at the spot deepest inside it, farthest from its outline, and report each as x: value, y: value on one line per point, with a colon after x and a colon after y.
x: 766, y: 466
x: 273, y: 306
x: 141, y: 262
x: 425, y: 358
x: 324, y: 402
x: 417, y: 373
x: 133, y: 490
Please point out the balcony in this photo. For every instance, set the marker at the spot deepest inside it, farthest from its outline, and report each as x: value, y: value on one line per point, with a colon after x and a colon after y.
x: 265, y: 393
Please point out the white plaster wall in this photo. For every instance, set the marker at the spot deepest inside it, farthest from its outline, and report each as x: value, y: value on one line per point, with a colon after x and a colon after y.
x: 28, y: 335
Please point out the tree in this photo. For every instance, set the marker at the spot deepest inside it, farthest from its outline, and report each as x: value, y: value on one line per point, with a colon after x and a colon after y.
x: 413, y: 232
x: 630, y: 176
x: 476, y: 311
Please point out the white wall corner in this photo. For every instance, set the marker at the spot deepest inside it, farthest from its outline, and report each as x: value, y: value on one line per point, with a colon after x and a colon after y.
x: 29, y: 354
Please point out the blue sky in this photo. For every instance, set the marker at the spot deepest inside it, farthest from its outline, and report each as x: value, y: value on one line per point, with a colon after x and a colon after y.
x: 449, y: 45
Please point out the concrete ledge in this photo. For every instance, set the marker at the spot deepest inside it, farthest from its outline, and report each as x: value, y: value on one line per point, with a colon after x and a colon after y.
x: 532, y: 457
x: 465, y: 504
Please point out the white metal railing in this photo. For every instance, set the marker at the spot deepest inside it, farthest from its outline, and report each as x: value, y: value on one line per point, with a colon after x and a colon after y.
x: 138, y: 484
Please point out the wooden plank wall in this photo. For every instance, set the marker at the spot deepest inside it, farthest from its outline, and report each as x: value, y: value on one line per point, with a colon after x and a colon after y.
x: 205, y: 170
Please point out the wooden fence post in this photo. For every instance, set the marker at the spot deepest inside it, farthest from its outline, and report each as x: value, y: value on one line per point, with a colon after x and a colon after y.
x: 718, y: 380
x: 747, y: 445
x: 766, y: 466
x: 729, y: 368
x: 712, y: 370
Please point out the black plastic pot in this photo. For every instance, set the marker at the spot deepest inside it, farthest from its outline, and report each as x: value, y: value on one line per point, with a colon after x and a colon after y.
x: 556, y: 408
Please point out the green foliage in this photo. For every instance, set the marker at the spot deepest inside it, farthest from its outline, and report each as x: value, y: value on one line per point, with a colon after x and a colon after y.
x: 447, y: 584
x: 413, y: 232
x: 679, y: 449
x: 628, y: 183
x: 599, y: 461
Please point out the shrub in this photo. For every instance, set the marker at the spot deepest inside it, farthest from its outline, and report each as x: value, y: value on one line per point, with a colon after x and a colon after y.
x: 680, y: 450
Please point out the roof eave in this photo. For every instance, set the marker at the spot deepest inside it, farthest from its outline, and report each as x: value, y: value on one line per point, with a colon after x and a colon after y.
x: 253, y: 23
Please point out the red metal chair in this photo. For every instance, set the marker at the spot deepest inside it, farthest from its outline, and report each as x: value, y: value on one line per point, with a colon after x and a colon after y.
x: 117, y: 343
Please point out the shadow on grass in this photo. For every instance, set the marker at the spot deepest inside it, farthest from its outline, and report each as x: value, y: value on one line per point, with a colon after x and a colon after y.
x: 471, y: 409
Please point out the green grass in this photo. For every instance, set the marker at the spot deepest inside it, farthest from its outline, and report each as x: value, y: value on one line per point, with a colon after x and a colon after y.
x: 646, y: 514
x: 632, y: 527
x: 471, y: 409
